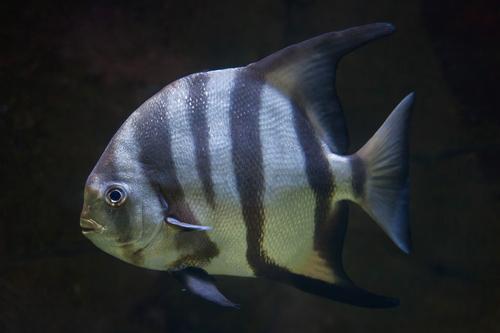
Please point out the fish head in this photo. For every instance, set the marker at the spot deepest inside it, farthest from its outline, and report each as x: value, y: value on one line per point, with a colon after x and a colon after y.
x: 121, y: 213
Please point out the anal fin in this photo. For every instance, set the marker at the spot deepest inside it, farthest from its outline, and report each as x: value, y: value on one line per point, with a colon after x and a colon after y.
x: 318, y: 278
x: 345, y: 292
x: 318, y: 268
x: 322, y: 273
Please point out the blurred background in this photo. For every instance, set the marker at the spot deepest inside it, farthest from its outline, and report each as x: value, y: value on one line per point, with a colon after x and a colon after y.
x: 72, y: 71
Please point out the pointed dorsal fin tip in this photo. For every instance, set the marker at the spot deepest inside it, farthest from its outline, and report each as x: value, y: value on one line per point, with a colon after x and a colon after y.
x: 305, y: 72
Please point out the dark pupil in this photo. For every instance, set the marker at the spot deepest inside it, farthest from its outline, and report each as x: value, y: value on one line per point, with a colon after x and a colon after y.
x: 115, y: 195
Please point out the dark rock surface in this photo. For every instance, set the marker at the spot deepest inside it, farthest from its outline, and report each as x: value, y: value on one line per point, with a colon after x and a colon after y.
x: 72, y: 71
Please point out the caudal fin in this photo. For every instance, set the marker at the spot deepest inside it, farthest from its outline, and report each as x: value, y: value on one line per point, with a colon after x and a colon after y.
x: 384, y: 160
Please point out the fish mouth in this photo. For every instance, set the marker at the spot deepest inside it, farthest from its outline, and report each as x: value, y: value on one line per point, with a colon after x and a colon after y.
x: 90, y: 226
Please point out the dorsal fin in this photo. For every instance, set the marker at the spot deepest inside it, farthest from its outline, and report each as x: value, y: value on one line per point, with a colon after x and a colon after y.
x: 306, y: 72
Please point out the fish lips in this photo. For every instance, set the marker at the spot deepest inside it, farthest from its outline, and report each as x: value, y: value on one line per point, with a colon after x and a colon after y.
x: 90, y: 226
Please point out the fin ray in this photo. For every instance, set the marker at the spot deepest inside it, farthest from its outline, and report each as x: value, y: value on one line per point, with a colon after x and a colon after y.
x: 384, y: 158
x: 306, y: 72
x: 186, y: 226
x: 345, y: 292
x: 202, y: 284
x: 328, y: 279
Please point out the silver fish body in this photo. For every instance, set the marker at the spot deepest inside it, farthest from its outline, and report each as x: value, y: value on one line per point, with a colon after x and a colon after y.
x: 234, y: 172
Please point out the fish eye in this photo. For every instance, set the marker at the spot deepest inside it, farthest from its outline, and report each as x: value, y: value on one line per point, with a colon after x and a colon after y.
x: 115, y: 196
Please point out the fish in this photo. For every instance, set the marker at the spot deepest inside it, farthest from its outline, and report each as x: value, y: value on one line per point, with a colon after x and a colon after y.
x: 246, y: 172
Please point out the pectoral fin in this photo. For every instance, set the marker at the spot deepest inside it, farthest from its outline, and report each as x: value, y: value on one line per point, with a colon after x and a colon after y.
x: 200, y: 283
x: 186, y: 226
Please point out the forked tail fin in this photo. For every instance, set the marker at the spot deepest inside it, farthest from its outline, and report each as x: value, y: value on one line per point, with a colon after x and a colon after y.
x: 382, y: 175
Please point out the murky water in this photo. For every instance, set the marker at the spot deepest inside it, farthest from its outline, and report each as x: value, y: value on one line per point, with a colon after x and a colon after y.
x: 71, y: 72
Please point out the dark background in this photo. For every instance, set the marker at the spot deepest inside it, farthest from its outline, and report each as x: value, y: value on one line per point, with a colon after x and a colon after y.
x: 72, y: 71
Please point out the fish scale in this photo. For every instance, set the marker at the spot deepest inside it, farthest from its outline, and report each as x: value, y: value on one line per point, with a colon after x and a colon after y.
x: 227, y: 213
x: 288, y: 199
x: 237, y: 172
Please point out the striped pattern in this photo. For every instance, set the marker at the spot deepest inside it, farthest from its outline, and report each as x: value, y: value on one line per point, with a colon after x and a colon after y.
x: 194, y: 167
x: 229, y: 231
x: 318, y: 173
x: 113, y: 166
x: 247, y: 163
x: 247, y: 98
x: 289, y: 200
x: 197, y: 106
x: 262, y: 166
x: 245, y: 151
x: 157, y: 135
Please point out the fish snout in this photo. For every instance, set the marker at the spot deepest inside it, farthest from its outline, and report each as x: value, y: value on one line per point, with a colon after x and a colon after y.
x: 90, y: 226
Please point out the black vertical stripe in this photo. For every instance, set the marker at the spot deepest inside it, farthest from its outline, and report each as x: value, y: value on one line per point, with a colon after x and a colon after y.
x: 248, y: 158
x: 197, y: 109
x: 358, y: 176
x: 248, y: 167
x: 153, y: 135
x: 319, y: 176
x: 245, y: 102
x: 107, y: 169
